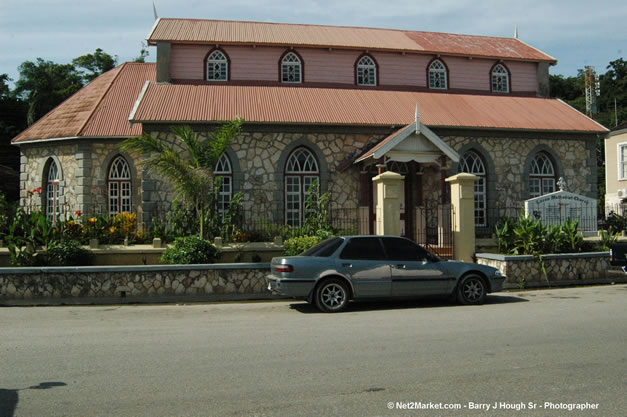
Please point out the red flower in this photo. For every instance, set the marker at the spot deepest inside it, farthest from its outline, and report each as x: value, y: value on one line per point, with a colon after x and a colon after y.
x: 78, y: 213
x: 38, y: 189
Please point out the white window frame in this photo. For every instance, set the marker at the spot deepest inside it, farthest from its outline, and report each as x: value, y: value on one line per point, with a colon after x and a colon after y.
x: 543, y: 181
x: 477, y: 168
x: 438, y: 73
x: 53, y: 208
x: 119, y: 190
x: 224, y: 170
x: 298, y: 178
x: 366, y: 70
x: 622, y: 162
x: 499, y: 79
x: 213, y: 60
x: 291, y: 61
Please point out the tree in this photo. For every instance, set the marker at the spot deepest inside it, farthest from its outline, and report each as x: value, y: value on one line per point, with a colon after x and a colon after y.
x: 143, y: 53
x: 95, y: 63
x: 44, y: 85
x: 187, y: 163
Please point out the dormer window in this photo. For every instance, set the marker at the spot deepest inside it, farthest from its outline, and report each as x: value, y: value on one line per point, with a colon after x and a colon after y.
x: 366, y: 71
x: 217, y: 66
x: 291, y: 68
x: 437, y: 75
x: 500, y: 79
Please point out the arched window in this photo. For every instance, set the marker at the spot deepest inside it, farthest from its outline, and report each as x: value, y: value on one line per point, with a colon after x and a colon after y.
x: 472, y: 163
x: 301, y: 171
x: 500, y: 79
x: 119, y: 186
x: 542, y: 176
x: 366, y: 71
x: 217, y: 66
x: 53, y: 207
x: 291, y: 68
x: 437, y: 75
x: 224, y: 171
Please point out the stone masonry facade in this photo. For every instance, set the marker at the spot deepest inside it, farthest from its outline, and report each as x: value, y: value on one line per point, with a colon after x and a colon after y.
x: 258, y: 157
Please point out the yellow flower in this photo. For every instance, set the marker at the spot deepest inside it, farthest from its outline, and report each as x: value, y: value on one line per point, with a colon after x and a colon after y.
x: 92, y: 220
x: 112, y: 230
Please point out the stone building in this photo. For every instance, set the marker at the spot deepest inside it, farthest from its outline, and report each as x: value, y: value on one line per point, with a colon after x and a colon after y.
x: 332, y: 104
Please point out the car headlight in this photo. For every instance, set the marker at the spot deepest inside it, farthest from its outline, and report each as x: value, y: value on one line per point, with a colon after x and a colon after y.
x: 497, y: 273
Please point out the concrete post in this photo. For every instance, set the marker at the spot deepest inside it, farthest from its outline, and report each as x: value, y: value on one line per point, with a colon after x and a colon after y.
x: 388, y: 204
x: 463, y: 206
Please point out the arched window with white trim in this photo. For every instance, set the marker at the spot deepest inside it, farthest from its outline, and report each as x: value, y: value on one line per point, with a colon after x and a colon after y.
x: 366, y: 71
x: 224, y: 171
x: 119, y: 186
x: 53, y: 179
x: 291, y: 69
x: 217, y: 66
x: 437, y: 75
x: 500, y: 79
x: 301, y: 171
x: 472, y: 163
x: 542, y: 175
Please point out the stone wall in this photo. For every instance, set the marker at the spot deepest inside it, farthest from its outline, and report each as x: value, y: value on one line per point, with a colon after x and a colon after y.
x: 225, y: 281
x: 34, y: 159
x: 259, y: 154
x: 561, y: 269
x: 508, y: 161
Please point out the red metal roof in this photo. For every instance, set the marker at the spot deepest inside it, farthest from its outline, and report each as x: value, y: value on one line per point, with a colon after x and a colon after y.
x: 261, y: 33
x: 311, y: 106
x: 99, y: 109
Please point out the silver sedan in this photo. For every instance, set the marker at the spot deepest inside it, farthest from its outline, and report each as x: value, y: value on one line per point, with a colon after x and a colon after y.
x: 361, y: 267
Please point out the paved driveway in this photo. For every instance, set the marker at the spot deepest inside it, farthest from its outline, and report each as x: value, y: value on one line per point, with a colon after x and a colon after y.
x: 565, y: 347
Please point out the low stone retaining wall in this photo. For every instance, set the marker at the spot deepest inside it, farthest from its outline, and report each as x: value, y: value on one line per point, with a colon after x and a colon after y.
x: 134, y: 283
x: 561, y: 269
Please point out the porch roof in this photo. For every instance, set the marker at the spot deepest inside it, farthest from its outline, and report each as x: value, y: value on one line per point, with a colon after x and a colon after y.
x: 414, y: 142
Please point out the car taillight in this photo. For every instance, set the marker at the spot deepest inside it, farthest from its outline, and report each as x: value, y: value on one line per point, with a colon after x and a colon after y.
x: 284, y: 268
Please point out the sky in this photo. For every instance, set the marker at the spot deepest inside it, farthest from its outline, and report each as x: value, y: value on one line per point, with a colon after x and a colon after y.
x: 577, y: 33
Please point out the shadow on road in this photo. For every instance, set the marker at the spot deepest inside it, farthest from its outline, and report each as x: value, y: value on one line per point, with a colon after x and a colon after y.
x: 304, y: 307
x: 10, y: 397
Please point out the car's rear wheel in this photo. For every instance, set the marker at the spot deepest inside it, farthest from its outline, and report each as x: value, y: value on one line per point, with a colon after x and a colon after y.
x: 332, y: 296
x: 471, y: 290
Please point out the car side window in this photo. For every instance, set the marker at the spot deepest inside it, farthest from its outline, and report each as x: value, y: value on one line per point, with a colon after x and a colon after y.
x: 363, y: 248
x: 404, y: 250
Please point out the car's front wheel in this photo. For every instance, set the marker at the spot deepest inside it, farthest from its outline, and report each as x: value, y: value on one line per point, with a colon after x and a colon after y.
x: 332, y: 296
x: 471, y: 290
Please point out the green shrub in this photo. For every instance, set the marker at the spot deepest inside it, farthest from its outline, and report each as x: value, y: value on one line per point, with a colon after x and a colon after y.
x: 528, y: 236
x: 68, y: 253
x: 298, y: 245
x: 616, y: 223
x: 190, y: 250
x: 608, y: 239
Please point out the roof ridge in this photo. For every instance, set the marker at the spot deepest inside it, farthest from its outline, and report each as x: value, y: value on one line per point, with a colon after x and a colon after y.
x: 99, y: 100
x: 332, y: 26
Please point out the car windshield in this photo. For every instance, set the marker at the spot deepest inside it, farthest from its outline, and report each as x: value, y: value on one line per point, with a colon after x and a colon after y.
x: 325, y: 248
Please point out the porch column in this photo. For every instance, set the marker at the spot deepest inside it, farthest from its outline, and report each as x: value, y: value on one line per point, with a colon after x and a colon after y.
x: 463, y: 206
x: 388, y: 204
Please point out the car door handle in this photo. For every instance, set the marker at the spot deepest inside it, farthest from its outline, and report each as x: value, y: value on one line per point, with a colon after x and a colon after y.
x: 348, y: 265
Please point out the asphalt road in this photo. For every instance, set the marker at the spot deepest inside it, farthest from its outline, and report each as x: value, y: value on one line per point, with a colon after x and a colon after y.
x: 518, y: 351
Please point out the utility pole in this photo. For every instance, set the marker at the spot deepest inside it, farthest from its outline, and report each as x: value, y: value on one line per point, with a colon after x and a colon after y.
x: 592, y: 89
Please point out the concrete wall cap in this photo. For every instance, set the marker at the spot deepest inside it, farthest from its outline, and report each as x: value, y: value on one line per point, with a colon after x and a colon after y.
x: 462, y: 177
x: 131, y: 268
x: 389, y: 175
